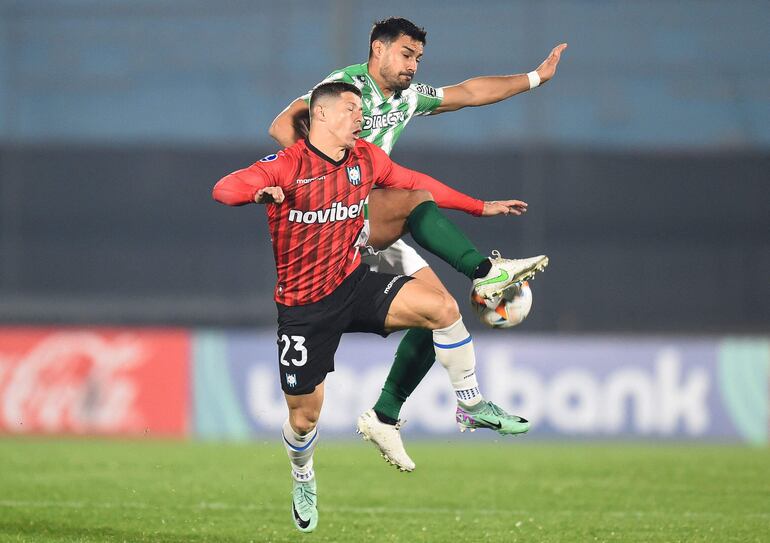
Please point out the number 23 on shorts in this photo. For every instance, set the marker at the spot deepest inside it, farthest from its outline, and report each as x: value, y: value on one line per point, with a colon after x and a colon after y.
x: 298, y: 347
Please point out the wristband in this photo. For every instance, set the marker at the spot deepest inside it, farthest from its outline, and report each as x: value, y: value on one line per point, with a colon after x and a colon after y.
x: 534, y: 79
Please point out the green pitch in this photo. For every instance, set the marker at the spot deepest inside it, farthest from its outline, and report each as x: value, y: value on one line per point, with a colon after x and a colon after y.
x: 93, y: 490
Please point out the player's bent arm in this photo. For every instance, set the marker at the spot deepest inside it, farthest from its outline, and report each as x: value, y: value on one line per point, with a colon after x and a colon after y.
x: 240, y: 188
x: 481, y: 91
x: 291, y: 124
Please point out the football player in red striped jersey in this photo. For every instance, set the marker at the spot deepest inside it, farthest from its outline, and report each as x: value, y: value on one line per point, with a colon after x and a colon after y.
x: 314, y: 193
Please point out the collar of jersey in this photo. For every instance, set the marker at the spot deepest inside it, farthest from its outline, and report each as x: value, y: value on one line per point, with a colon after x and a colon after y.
x: 327, y: 158
x: 376, y: 87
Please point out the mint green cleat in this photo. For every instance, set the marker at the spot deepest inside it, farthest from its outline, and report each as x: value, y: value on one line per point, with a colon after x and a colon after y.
x: 489, y: 415
x: 303, y: 506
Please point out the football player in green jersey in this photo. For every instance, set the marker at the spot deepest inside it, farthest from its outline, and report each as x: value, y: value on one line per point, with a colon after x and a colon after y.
x: 390, y: 100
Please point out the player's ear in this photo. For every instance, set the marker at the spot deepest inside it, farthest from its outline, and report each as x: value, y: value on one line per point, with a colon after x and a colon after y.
x: 377, y: 47
x: 318, y: 113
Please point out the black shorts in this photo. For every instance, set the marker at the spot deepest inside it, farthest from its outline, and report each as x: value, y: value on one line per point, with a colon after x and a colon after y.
x: 308, y: 335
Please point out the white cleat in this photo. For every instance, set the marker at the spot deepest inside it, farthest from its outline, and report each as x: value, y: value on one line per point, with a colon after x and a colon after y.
x: 386, y: 437
x: 505, y: 272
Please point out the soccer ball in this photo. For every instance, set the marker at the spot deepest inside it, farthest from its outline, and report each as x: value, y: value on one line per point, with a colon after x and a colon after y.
x: 504, y: 311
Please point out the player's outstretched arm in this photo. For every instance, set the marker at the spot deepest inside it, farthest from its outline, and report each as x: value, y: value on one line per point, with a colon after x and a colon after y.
x: 396, y: 176
x: 390, y: 174
x: 291, y: 124
x: 481, y: 91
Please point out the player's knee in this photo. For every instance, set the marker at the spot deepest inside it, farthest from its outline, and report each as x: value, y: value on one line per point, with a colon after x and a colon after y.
x: 447, y: 312
x: 303, y: 420
x: 417, y: 197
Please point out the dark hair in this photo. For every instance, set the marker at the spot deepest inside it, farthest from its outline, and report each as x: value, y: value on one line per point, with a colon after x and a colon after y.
x: 332, y: 88
x: 392, y: 28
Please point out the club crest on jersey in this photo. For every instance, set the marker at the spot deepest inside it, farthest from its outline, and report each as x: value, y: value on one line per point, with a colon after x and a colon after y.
x: 354, y: 174
x: 291, y: 379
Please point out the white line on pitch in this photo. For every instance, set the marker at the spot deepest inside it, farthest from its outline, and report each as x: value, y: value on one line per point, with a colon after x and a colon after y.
x: 218, y: 506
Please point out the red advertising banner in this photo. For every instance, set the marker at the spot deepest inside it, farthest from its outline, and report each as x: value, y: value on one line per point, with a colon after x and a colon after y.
x: 94, y: 381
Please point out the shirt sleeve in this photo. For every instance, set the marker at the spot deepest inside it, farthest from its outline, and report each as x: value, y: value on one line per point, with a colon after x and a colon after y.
x: 389, y: 174
x: 428, y: 98
x: 240, y: 187
x: 339, y: 75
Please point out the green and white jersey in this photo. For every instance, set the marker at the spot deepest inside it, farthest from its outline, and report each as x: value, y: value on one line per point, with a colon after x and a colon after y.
x: 386, y: 118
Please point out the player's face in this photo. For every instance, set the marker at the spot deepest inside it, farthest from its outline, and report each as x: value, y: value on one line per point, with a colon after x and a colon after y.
x: 345, y: 117
x: 399, y: 61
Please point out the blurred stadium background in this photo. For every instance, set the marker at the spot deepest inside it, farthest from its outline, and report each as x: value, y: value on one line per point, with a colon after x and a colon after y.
x: 131, y: 304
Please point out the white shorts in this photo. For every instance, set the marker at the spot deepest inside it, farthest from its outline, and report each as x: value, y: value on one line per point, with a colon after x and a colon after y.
x: 398, y: 259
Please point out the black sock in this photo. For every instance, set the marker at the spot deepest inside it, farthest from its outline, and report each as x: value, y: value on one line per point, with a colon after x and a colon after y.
x: 482, y: 269
x: 385, y: 419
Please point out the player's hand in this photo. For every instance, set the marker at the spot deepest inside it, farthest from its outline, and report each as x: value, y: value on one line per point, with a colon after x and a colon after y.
x: 269, y: 195
x: 504, y: 207
x: 301, y: 123
x: 548, y: 68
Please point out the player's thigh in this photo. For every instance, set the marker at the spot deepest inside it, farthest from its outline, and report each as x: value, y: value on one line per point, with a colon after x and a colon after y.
x: 372, y: 299
x: 308, y: 337
x: 427, y: 275
x: 398, y: 259
x: 388, y: 210
x: 420, y: 305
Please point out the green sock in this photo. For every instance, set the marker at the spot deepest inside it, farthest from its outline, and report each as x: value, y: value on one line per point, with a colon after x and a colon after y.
x: 434, y: 232
x: 414, y: 357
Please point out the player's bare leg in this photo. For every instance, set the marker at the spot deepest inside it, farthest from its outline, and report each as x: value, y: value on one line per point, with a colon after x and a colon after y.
x: 388, y: 211
x: 420, y: 305
x: 304, y: 410
x: 299, y: 438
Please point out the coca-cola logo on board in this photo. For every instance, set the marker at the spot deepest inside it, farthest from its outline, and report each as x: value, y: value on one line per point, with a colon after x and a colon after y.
x: 76, y: 381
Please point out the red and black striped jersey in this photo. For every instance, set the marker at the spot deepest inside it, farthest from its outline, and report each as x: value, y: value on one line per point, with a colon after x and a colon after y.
x: 314, y: 230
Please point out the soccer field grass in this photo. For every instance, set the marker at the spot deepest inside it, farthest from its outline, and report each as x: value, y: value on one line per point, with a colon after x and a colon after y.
x: 96, y: 490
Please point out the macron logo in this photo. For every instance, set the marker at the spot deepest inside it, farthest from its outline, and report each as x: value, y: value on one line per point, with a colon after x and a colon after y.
x: 337, y: 212
x: 310, y: 180
x: 392, y: 282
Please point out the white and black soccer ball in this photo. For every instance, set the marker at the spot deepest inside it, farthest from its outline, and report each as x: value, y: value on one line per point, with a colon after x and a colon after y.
x: 504, y: 311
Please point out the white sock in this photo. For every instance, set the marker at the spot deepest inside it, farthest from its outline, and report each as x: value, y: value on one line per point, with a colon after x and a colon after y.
x: 300, y: 450
x: 454, y: 350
